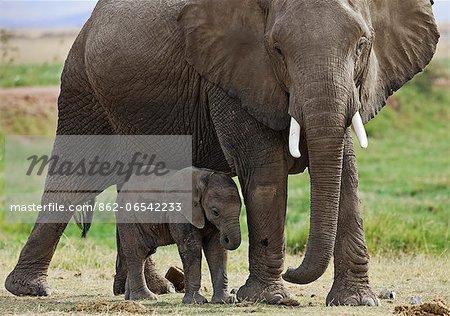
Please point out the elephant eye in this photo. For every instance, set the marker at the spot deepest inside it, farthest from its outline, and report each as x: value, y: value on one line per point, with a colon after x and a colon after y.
x: 363, y: 42
x: 215, y: 211
x: 278, y: 49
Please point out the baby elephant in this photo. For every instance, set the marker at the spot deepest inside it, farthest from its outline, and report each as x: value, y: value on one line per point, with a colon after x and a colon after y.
x: 213, y: 227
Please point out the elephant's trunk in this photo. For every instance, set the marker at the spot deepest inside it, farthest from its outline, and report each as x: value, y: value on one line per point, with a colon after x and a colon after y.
x: 324, y: 119
x: 230, y: 235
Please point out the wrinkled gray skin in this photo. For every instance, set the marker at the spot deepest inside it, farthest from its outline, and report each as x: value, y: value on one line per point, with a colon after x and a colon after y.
x: 214, y: 227
x: 232, y: 73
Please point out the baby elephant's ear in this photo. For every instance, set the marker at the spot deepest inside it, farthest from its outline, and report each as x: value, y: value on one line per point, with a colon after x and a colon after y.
x: 198, y: 215
x: 181, y: 185
x: 198, y: 188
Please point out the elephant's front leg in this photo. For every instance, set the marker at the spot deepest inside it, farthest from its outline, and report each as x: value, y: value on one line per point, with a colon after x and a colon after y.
x: 258, y: 155
x: 351, y: 260
x: 265, y: 193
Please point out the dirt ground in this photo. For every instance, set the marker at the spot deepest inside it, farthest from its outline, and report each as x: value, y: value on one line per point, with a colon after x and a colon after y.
x: 28, y: 110
x: 38, y: 99
x: 81, y: 277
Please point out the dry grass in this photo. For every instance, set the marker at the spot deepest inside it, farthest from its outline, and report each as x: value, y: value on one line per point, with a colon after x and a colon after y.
x: 81, y: 278
x: 29, y: 46
x: 35, y: 46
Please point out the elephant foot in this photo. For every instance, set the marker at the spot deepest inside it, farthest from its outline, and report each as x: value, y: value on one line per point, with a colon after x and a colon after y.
x: 356, y: 295
x: 156, y: 283
x: 137, y: 295
x: 256, y: 291
x: 194, y: 298
x: 27, y: 285
x: 145, y: 294
x: 223, y: 298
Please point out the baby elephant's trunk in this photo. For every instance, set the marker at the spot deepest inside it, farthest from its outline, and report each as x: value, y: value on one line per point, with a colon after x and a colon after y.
x: 230, y: 236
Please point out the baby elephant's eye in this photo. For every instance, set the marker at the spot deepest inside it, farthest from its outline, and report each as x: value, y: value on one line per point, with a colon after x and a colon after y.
x: 215, y: 211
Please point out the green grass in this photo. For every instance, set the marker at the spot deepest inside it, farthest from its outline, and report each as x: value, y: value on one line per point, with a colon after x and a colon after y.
x: 404, y: 174
x: 12, y: 75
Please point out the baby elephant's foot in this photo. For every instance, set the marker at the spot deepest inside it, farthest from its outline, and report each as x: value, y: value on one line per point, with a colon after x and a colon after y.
x: 136, y: 295
x: 223, y: 298
x: 194, y: 298
x: 141, y: 295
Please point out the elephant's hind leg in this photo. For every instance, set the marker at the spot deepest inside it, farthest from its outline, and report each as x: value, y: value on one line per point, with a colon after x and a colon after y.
x: 78, y: 114
x: 29, y: 276
x: 351, y: 260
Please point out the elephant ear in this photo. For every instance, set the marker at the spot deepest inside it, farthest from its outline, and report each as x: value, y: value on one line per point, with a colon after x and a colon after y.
x: 186, y: 187
x: 224, y: 42
x: 404, y: 42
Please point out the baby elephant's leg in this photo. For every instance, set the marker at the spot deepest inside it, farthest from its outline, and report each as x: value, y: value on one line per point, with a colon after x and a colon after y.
x: 136, y: 288
x: 135, y: 253
x: 216, y: 257
x: 191, y: 256
x: 155, y: 282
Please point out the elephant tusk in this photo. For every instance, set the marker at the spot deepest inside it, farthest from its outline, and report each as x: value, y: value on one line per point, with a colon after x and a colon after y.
x: 294, y: 139
x: 358, y: 126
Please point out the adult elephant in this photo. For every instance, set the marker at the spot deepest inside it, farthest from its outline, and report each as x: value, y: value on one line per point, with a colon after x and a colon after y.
x: 235, y: 75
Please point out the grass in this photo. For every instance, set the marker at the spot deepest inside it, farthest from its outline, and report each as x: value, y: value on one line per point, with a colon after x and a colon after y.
x: 46, y: 74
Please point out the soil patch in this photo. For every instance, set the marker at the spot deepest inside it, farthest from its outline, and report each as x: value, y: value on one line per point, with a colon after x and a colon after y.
x: 436, y: 307
x: 111, y: 307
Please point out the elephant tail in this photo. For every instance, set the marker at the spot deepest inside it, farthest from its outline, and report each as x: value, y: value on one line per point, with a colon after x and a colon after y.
x: 83, y: 220
x: 87, y: 224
